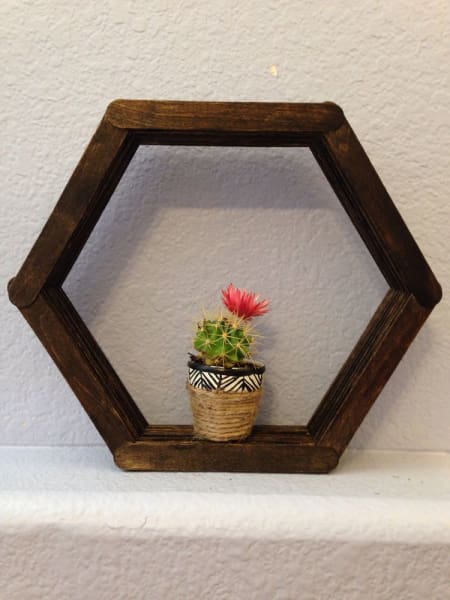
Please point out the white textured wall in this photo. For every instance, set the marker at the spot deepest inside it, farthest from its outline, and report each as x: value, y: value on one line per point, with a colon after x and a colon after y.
x: 385, y: 63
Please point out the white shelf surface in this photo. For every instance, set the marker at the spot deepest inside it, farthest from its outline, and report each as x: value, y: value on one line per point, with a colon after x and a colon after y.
x: 378, y: 511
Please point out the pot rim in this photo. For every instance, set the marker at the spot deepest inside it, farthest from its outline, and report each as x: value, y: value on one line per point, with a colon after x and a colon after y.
x: 252, y: 367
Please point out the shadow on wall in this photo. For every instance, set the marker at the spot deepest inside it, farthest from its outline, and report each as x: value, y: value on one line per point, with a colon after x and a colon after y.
x: 182, y: 224
x: 199, y: 179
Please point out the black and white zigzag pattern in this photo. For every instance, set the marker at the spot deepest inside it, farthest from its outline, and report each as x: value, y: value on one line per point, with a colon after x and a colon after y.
x: 205, y: 380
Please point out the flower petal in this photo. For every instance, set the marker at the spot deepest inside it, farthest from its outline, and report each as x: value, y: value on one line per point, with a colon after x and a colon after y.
x: 242, y: 303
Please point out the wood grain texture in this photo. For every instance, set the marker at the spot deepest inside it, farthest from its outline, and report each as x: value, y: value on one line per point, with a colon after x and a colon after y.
x: 367, y: 370
x: 196, y: 455
x: 154, y: 115
x: 261, y: 433
x: 85, y: 367
x: 76, y: 213
x: 369, y: 206
x: 137, y: 445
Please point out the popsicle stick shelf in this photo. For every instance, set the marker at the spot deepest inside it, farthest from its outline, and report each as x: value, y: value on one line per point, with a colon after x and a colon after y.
x: 136, y: 445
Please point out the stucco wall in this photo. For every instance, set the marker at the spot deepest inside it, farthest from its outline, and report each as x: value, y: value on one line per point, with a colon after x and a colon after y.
x: 385, y: 63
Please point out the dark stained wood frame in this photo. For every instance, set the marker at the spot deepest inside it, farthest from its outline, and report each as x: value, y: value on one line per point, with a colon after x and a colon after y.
x: 136, y: 445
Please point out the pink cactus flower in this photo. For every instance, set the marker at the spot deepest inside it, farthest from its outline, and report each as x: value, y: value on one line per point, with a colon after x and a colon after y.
x: 244, y: 304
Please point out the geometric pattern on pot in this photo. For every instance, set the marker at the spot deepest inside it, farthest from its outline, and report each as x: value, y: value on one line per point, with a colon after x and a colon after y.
x: 322, y: 127
x: 206, y: 380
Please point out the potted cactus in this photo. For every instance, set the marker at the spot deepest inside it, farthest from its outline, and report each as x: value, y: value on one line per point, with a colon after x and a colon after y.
x: 224, y: 382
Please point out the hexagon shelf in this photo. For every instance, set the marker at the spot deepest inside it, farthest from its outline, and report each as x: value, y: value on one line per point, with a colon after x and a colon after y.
x: 137, y: 445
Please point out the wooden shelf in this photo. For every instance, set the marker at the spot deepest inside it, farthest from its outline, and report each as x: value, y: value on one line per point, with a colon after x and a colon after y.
x: 316, y: 448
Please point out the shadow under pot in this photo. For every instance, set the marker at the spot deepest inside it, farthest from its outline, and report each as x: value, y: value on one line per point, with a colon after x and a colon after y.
x: 224, y: 401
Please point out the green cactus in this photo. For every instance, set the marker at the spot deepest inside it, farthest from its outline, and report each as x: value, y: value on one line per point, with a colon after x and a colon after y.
x: 223, y: 341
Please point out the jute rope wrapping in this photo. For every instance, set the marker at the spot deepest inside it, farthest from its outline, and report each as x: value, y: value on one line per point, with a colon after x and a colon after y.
x: 223, y: 416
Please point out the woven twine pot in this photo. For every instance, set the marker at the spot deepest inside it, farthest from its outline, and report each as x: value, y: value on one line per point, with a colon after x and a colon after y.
x: 224, y: 402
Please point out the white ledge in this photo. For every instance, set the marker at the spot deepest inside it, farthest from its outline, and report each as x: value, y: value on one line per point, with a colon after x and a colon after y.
x: 70, y: 520
x: 372, y: 495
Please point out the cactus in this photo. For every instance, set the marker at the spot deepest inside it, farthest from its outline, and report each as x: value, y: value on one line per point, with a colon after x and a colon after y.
x: 223, y: 341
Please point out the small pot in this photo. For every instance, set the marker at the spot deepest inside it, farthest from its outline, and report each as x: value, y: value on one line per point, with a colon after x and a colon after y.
x: 224, y: 401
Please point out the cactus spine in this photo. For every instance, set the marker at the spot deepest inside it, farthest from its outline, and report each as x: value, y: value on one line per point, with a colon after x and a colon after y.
x: 224, y: 341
